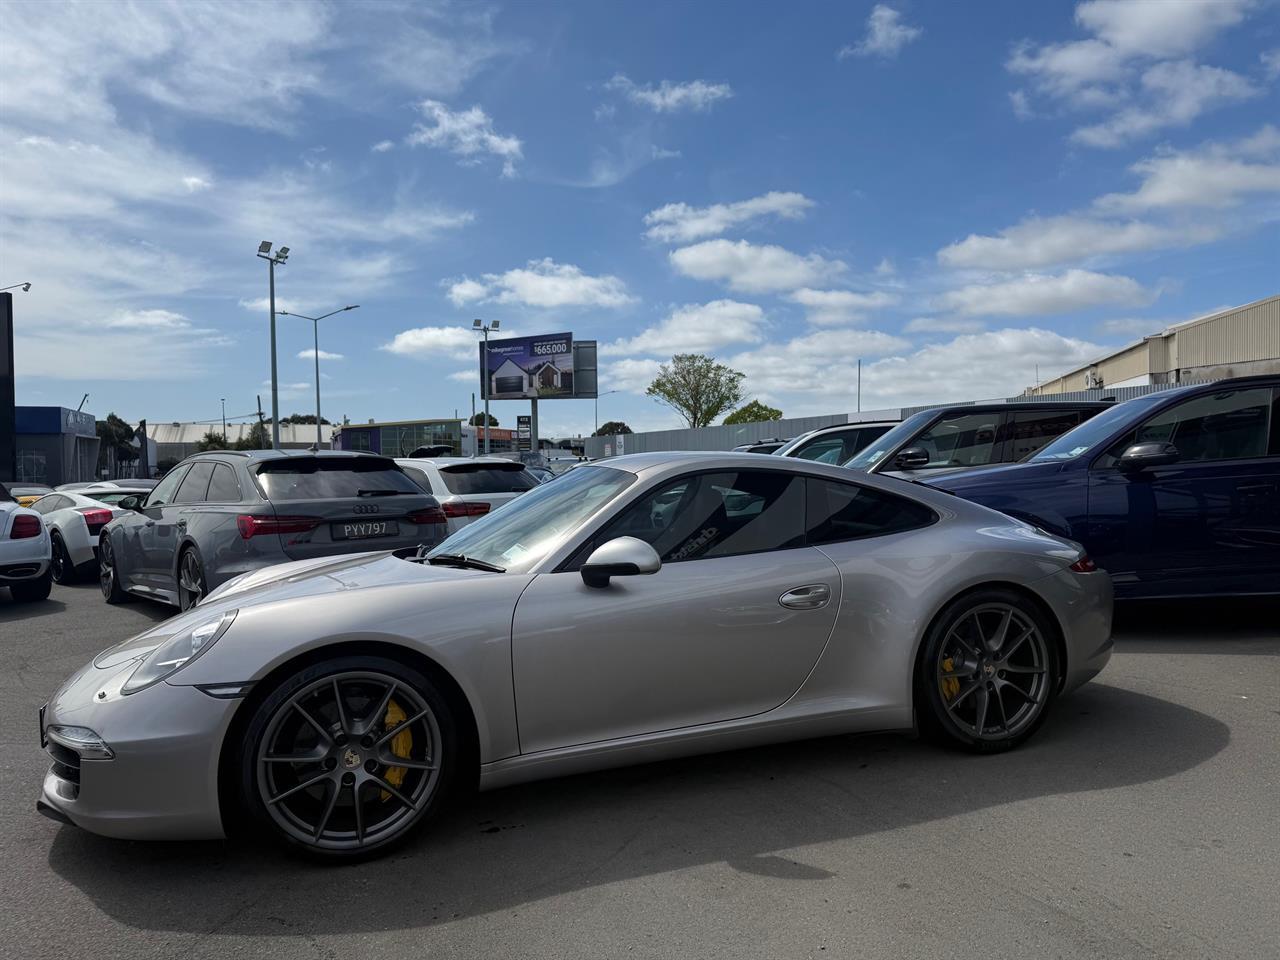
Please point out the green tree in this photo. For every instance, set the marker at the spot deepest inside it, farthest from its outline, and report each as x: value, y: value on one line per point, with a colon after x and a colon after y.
x: 753, y: 412
x: 114, y: 447
x: 256, y: 438
x: 697, y: 388
x: 302, y: 418
x: 477, y: 420
x: 612, y: 429
x: 212, y: 440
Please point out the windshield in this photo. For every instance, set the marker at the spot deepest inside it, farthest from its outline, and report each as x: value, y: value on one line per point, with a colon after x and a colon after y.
x: 324, y: 478
x: 1093, y: 431
x: 523, y: 532
x: 875, y: 451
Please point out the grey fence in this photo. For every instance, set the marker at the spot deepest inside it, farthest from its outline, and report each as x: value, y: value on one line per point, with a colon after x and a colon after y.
x: 728, y: 437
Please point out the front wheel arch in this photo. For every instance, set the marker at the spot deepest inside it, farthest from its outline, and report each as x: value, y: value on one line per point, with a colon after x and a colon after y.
x: 464, y: 716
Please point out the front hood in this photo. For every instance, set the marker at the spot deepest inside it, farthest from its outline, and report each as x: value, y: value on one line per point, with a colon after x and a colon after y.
x: 967, y: 480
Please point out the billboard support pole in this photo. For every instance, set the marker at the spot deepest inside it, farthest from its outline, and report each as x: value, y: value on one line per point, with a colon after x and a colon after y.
x: 534, y: 446
x: 484, y: 386
x: 475, y: 437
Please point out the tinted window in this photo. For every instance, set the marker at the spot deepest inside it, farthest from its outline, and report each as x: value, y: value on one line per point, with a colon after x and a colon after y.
x: 717, y: 515
x: 223, y: 488
x: 1029, y: 430
x: 110, y: 497
x: 1231, y: 425
x: 163, y: 491
x: 49, y: 504
x: 963, y: 440
x: 828, y: 449
x: 872, y: 453
x: 323, y: 478
x: 195, y: 484
x: 487, y: 478
x: 5, y: 495
x: 419, y: 477
x: 837, y: 511
x: 1094, y: 431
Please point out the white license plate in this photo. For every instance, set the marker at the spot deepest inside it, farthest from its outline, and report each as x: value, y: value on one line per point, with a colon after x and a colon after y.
x: 365, y: 529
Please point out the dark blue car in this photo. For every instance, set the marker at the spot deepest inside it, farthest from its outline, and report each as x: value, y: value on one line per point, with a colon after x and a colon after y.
x: 1175, y: 493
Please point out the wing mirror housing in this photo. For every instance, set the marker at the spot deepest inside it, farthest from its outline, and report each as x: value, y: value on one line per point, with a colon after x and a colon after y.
x: 130, y: 503
x: 911, y: 458
x: 1143, y: 455
x: 620, y: 557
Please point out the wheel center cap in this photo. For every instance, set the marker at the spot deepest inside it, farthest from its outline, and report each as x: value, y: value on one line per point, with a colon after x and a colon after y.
x: 988, y: 670
x: 351, y: 759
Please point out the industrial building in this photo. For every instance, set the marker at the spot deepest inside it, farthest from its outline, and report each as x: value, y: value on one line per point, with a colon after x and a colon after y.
x: 54, y: 445
x: 398, y: 438
x: 1237, y: 342
x: 176, y: 441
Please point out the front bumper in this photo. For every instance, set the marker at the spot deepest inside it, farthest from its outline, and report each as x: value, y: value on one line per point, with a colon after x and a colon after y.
x: 161, y: 783
x: 1083, y: 604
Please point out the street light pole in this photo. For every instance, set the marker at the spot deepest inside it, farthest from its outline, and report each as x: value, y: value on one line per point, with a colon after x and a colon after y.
x: 484, y: 372
x: 224, y: 419
x: 597, y: 399
x: 315, y: 351
x: 279, y: 257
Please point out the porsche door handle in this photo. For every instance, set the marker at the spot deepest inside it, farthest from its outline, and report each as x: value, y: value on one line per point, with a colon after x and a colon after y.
x: 809, y: 597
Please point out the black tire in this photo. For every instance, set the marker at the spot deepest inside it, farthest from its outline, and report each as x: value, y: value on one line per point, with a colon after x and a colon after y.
x: 192, y: 585
x: 340, y: 767
x: 987, y: 673
x: 64, y: 571
x: 33, y: 591
x: 109, y: 576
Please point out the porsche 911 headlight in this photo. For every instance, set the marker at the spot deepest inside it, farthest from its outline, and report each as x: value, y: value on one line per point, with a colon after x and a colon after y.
x: 179, y: 650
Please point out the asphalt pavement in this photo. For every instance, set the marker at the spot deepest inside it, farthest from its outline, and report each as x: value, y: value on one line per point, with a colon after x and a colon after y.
x: 1140, y: 821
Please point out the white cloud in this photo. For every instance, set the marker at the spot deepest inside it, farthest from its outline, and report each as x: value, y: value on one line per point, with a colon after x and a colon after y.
x: 885, y: 268
x: 1050, y: 241
x: 819, y: 361
x: 671, y: 97
x: 1176, y: 93
x: 466, y: 133
x: 681, y: 223
x: 542, y: 283
x: 839, y: 307
x: 382, y: 146
x: 1270, y: 60
x: 753, y: 268
x: 1130, y: 327
x: 465, y: 376
x: 1040, y: 294
x: 1213, y: 175
x: 942, y: 325
x: 1157, y: 28
x: 695, y: 328
x: 453, y: 343
x: 146, y: 320
x: 886, y: 35
x: 324, y: 355
x: 633, y: 376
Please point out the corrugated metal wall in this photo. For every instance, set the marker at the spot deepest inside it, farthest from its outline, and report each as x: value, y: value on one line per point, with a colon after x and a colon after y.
x: 1249, y: 333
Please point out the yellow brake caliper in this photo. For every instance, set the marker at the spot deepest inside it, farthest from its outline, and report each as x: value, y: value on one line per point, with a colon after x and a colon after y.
x: 401, y: 745
x: 950, y: 685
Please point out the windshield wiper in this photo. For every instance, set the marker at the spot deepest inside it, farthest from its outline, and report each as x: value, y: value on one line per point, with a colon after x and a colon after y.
x: 458, y: 560
x: 382, y: 493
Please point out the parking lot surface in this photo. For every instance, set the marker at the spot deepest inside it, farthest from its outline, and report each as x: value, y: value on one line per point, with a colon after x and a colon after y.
x: 1139, y: 822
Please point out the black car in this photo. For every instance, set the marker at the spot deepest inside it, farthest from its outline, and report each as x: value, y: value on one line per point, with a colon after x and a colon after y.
x: 220, y: 514
x: 949, y: 439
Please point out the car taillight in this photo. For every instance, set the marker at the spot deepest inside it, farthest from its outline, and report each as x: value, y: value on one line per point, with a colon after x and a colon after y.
x: 254, y: 526
x: 25, y: 526
x: 462, y: 508
x: 427, y: 515
x: 1084, y: 565
x: 94, y: 516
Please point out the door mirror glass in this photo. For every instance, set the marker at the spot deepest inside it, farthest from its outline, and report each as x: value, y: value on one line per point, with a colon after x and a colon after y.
x: 1142, y: 455
x: 129, y: 503
x: 620, y: 557
x: 912, y: 458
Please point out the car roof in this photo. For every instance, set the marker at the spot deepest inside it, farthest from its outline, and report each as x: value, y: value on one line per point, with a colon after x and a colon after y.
x: 1018, y: 405
x: 263, y: 455
x: 410, y: 461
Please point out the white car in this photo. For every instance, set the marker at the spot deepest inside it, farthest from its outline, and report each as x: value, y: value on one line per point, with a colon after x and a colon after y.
x: 25, y: 551
x: 74, y: 522
x: 112, y: 493
x: 468, y: 487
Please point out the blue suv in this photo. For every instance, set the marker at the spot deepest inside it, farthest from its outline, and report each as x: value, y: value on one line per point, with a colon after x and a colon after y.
x: 1175, y: 493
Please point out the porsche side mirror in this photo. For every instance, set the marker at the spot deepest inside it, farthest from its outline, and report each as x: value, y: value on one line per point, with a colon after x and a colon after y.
x: 911, y: 458
x: 621, y: 557
x: 1143, y: 455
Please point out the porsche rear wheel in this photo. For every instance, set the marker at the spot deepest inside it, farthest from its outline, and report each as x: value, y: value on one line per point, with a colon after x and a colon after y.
x: 987, y: 672
x: 347, y: 758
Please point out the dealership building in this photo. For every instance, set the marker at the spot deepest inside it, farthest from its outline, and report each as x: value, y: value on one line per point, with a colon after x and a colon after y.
x: 1238, y: 342
x: 398, y: 438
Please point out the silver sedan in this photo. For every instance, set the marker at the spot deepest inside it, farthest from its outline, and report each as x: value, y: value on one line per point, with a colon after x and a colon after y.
x: 653, y: 606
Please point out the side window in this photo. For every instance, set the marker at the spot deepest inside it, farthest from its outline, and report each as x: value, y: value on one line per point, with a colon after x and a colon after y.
x: 163, y: 491
x: 964, y: 440
x: 1029, y: 430
x: 837, y: 511
x: 1232, y: 425
x: 223, y: 487
x: 195, y: 484
x: 48, y: 504
x: 827, y: 449
x: 716, y: 515
x: 419, y: 477
x: 1273, y: 448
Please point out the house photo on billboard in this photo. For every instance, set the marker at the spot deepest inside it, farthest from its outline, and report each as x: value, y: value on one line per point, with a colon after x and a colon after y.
x: 527, y: 367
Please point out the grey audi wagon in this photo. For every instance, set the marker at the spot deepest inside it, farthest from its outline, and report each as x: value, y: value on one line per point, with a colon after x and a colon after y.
x: 221, y: 514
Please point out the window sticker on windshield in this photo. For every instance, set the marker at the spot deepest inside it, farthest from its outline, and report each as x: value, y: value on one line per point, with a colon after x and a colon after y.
x: 875, y: 457
x: 513, y: 553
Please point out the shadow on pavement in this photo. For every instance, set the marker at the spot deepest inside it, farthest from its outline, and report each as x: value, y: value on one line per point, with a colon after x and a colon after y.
x: 11, y: 611
x: 523, y: 844
x: 1231, y: 625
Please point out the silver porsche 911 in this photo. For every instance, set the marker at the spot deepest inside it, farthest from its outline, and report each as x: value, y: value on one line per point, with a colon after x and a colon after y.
x: 647, y: 607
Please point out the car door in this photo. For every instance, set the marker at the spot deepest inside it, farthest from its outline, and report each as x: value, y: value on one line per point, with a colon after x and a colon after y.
x: 729, y: 627
x: 135, y: 539
x: 1205, y: 524
x: 956, y: 441
x: 168, y: 523
x: 1026, y: 431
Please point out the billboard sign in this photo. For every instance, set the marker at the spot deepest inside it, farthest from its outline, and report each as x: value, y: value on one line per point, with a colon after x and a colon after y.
x: 526, y: 367
x: 524, y: 432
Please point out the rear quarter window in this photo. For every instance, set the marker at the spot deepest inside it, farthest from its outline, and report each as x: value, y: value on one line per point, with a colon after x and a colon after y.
x: 468, y: 478
x: 330, y: 478
x: 836, y: 511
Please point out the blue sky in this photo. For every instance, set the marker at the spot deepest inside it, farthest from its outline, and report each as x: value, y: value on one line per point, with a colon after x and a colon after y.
x: 958, y: 194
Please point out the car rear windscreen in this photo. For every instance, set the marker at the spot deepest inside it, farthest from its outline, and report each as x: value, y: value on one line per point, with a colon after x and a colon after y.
x: 327, y: 478
x: 466, y: 478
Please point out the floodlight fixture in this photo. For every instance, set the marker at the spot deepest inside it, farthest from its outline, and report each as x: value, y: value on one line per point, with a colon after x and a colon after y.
x: 477, y: 324
x: 495, y: 324
x: 264, y: 246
